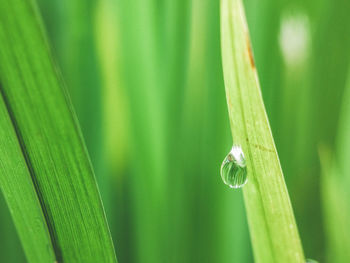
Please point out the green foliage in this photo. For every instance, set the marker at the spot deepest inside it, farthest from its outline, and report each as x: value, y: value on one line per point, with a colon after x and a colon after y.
x: 146, y: 82
x: 271, y: 221
x: 20, y: 193
x: 42, y: 140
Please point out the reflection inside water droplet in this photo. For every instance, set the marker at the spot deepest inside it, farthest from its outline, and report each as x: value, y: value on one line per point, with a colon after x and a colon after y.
x: 233, y: 169
x: 309, y: 260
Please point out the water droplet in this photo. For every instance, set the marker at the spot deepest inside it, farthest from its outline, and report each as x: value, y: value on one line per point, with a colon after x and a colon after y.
x: 309, y: 260
x: 233, y: 169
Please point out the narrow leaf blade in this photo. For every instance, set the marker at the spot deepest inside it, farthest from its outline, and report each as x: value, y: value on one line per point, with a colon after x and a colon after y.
x: 20, y: 194
x: 271, y: 221
x: 50, y: 138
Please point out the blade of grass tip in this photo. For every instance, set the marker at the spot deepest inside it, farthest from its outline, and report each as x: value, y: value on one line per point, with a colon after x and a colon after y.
x: 50, y: 139
x: 20, y: 194
x: 335, y: 182
x: 270, y: 216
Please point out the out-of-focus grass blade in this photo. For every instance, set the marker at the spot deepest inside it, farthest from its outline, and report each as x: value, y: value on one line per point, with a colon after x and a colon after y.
x: 50, y: 141
x: 330, y: 69
x: 115, y: 129
x: 113, y: 95
x: 294, y: 129
x: 271, y: 221
x: 335, y: 185
x: 146, y: 145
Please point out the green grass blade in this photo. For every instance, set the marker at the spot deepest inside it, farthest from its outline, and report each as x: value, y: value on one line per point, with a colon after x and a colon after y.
x: 271, y: 221
x: 10, y: 244
x: 24, y: 205
x: 50, y: 139
x: 69, y: 27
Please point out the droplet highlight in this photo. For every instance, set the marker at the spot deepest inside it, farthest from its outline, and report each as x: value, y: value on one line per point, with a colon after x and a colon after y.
x: 233, y: 169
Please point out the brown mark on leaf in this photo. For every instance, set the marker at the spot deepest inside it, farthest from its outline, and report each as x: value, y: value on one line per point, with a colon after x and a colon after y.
x: 260, y: 147
x: 229, y: 102
x: 250, y: 52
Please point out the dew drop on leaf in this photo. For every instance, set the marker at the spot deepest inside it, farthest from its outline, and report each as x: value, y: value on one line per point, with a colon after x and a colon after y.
x: 309, y: 260
x: 233, y: 169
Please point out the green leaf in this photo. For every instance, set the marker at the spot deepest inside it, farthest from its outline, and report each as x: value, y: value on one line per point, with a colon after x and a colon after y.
x: 270, y: 217
x: 20, y: 194
x: 46, y: 174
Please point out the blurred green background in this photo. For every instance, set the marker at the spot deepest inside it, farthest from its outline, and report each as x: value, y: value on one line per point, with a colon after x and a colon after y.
x: 146, y: 80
